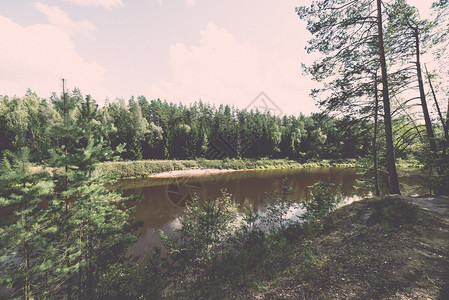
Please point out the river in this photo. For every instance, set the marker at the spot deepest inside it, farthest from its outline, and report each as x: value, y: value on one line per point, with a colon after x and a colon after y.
x: 163, y: 199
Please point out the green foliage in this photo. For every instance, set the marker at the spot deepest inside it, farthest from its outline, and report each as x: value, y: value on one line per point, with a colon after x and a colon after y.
x: 439, y: 179
x: 365, y: 175
x: 135, y: 169
x: 323, y: 198
x: 93, y: 223
x: 138, y: 278
x: 436, y: 165
x: 151, y: 277
x: 160, y: 130
x: 201, y: 238
x: 210, y: 248
x: 279, y: 204
x: 245, y: 250
x: 5, y: 163
x: 69, y: 234
x: 249, y: 219
x: 23, y: 238
x: 393, y: 212
x: 309, y: 260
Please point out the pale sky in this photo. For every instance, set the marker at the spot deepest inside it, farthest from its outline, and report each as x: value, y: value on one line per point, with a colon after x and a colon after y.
x: 178, y: 50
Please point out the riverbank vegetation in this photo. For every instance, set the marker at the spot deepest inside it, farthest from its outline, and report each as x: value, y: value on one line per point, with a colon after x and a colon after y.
x: 133, y: 169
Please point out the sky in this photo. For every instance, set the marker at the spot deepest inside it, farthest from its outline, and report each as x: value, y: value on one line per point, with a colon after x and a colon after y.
x: 243, y: 53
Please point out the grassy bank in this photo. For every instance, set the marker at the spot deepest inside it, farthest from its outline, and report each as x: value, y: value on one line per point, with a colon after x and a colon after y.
x: 144, y: 168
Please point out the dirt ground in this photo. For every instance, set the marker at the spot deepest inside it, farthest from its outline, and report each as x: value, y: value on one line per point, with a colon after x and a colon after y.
x: 369, y: 252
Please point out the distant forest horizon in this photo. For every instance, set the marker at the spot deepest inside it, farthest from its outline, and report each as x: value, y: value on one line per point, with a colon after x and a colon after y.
x: 156, y: 129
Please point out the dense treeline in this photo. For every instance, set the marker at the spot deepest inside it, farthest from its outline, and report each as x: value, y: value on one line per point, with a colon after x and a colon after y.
x: 160, y: 130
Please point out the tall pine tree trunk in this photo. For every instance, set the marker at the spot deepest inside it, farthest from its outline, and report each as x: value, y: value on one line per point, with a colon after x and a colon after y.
x: 27, y: 274
x: 422, y: 94
x: 80, y: 270
x: 446, y: 129
x: 442, y: 120
x: 67, y: 203
x: 393, y: 182
x: 27, y: 287
x: 376, y: 108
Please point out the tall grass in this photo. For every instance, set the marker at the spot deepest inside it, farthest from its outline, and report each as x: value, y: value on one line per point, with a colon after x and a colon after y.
x: 144, y: 168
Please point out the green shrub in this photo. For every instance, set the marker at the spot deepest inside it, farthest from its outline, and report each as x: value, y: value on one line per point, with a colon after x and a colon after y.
x: 323, y: 198
x: 279, y: 203
x: 201, y: 239
x: 439, y: 181
x: 148, y: 276
x: 393, y: 212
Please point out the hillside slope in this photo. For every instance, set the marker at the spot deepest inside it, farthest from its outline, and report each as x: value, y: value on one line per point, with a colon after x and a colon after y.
x: 371, y: 249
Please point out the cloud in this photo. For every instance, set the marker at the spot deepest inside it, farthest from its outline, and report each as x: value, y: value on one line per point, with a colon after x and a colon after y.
x: 108, y: 4
x: 221, y: 69
x: 38, y: 56
x: 59, y: 18
x: 188, y: 2
x: 191, y: 2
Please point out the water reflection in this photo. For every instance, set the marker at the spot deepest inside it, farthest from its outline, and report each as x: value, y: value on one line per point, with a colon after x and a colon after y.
x: 164, y: 199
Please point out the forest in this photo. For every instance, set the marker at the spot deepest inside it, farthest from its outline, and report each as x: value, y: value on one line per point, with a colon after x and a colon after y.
x: 159, y: 130
x: 63, y: 234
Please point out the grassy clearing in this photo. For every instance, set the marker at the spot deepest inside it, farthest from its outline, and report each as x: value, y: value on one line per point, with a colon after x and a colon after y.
x: 144, y: 168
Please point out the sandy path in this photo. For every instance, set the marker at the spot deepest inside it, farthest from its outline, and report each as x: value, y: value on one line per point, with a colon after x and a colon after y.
x: 435, y: 204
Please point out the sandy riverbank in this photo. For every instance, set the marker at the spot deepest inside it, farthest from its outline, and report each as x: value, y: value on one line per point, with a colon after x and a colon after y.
x: 193, y: 173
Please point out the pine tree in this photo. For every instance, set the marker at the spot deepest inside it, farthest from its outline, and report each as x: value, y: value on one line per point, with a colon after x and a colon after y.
x: 23, y: 237
x: 350, y: 35
x: 407, y: 36
x: 93, y: 222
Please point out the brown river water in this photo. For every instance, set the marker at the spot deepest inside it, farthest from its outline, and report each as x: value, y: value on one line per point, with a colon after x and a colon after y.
x: 163, y: 199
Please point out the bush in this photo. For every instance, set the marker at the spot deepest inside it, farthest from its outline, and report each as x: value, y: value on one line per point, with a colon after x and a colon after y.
x: 148, y: 276
x: 279, y: 204
x: 202, y: 237
x: 393, y: 212
x: 323, y: 198
x: 439, y: 182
